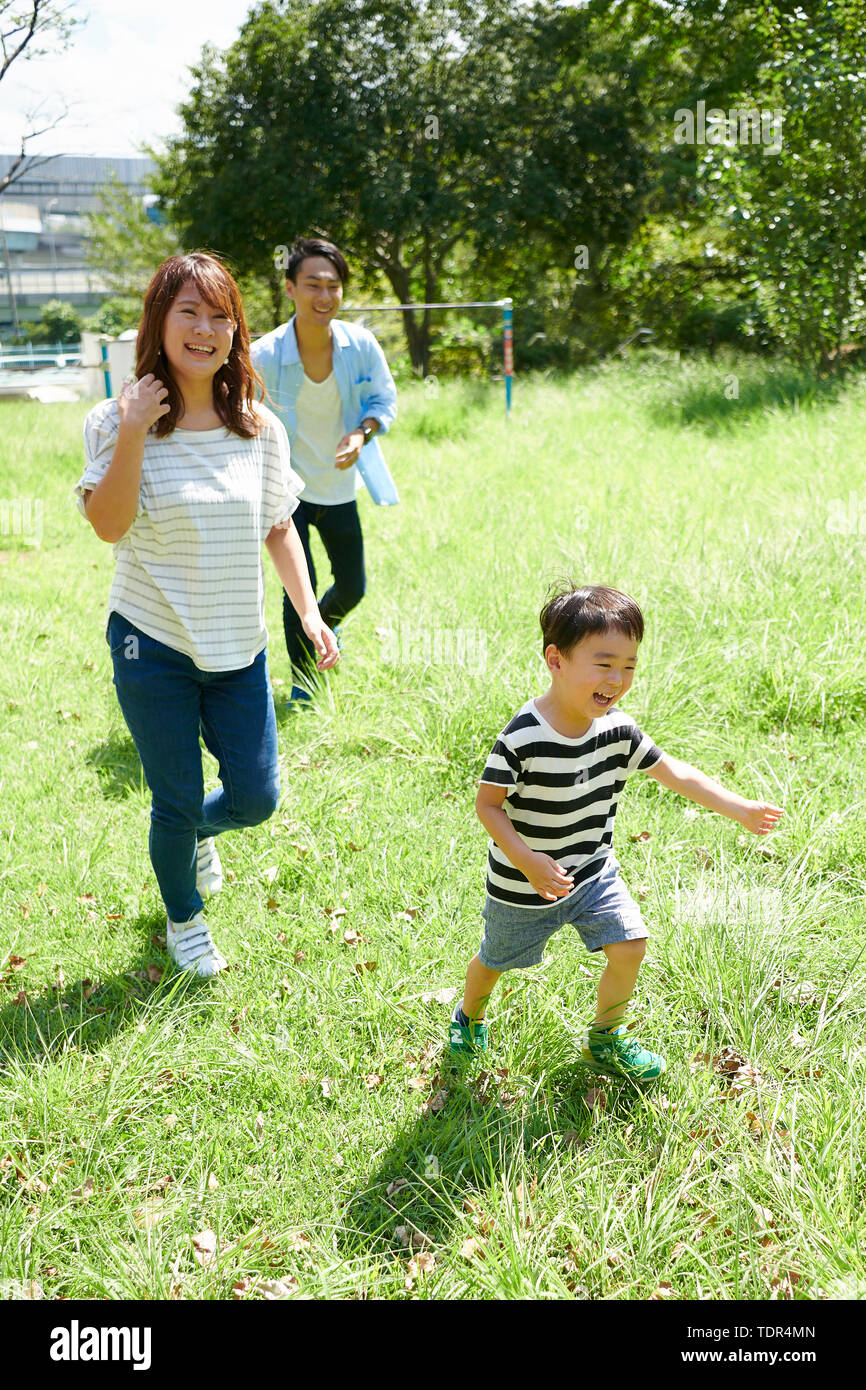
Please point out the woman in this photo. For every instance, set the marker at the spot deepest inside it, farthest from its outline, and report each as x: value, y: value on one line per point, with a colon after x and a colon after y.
x: 331, y: 387
x: 186, y: 475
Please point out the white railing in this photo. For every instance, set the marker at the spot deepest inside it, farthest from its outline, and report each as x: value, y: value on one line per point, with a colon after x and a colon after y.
x: 31, y: 358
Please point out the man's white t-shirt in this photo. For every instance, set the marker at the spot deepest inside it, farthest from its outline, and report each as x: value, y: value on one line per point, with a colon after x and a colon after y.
x: 189, y: 569
x: 320, y: 427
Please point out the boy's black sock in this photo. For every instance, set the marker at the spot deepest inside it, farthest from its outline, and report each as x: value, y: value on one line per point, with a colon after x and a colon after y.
x: 461, y: 1018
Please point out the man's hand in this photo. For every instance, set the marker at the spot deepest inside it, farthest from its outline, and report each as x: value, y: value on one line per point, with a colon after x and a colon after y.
x: 349, y: 448
x: 548, y: 878
x: 322, y: 639
x: 759, y: 817
x: 141, y: 403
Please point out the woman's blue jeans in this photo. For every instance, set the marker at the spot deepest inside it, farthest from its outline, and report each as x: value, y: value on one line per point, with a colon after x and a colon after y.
x: 167, y: 701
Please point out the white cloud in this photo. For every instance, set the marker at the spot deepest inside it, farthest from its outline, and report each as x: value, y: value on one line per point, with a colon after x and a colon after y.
x: 122, y: 77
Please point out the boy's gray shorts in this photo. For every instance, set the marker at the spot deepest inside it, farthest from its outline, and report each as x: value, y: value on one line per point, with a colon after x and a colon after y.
x: 602, y: 910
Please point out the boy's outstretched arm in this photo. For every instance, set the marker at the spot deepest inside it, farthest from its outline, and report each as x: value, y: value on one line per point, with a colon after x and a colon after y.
x: 758, y: 816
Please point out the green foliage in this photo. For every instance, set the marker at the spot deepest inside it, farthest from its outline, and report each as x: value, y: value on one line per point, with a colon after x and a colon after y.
x: 124, y: 246
x: 402, y: 131
x: 115, y: 315
x: 60, y: 323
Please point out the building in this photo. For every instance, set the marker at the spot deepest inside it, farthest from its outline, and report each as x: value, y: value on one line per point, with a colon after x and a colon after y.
x: 43, y: 232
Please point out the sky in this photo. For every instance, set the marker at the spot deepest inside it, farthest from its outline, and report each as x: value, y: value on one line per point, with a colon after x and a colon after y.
x: 122, y: 76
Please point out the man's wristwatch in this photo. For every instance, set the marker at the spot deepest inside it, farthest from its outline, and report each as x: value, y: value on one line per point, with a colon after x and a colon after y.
x: 368, y: 432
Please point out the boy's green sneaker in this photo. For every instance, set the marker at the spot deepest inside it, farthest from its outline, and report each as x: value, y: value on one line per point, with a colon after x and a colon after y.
x: 467, y: 1038
x: 614, y: 1054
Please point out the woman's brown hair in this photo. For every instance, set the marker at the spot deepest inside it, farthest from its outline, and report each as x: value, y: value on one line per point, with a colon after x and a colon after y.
x: 234, y: 385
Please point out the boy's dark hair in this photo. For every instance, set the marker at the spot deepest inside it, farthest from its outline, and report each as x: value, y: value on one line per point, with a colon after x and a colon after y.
x: 574, y: 613
x: 305, y: 247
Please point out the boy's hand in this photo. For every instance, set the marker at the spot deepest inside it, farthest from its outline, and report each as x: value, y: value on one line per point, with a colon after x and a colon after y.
x: 548, y: 878
x: 759, y: 817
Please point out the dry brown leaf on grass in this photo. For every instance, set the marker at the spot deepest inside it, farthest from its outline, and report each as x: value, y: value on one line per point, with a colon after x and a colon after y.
x: 373, y: 1079
x: 440, y: 996
x: 213, y: 1182
x: 272, y: 904
x: 663, y: 1291
x: 155, y: 974
x: 259, y: 1125
x: 411, y: 1237
x: 418, y: 1267
x: 275, y: 1289
x: 641, y: 837
x: 84, y: 1192
x: 351, y: 937
x: 17, y: 1289
x: 805, y: 992
x: 596, y: 1098
x: 471, y: 1249
x: 763, y: 1217
x: 417, y: 1083
x: 149, y: 1214
x: 361, y: 966
x: 436, y: 1102
x: 335, y: 913
x: 15, y: 963
x: 204, y: 1247
x: 299, y: 957
x: 409, y: 913
x: 396, y: 1186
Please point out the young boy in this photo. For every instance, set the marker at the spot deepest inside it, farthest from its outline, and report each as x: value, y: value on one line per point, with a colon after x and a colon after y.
x: 548, y: 798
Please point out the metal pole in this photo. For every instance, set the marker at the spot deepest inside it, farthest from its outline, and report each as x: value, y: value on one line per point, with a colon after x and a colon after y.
x: 103, y: 348
x: 508, y: 350
x: 9, y: 278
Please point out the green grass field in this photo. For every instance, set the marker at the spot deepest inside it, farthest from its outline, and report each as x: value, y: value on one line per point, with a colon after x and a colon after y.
x: 293, y: 1127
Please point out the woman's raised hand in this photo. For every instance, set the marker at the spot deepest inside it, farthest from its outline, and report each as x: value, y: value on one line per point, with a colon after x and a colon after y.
x: 141, y: 403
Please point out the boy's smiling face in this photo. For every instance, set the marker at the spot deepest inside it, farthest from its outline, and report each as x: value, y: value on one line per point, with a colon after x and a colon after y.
x: 594, y: 675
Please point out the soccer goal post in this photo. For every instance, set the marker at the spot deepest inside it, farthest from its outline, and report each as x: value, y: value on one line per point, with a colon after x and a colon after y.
x: 506, y: 305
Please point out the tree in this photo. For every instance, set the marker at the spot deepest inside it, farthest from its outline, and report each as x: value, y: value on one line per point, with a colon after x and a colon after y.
x: 797, y: 212
x: 403, y: 129
x: 125, y: 246
x: 28, y: 29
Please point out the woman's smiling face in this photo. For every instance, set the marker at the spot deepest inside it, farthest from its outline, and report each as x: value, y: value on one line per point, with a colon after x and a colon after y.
x: 196, y: 335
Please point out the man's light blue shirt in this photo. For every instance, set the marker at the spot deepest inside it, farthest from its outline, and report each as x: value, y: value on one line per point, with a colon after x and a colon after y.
x: 363, y: 378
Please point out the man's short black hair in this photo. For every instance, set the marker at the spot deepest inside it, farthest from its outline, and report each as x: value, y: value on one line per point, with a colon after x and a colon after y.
x: 305, y: 247
x: 574, y: 613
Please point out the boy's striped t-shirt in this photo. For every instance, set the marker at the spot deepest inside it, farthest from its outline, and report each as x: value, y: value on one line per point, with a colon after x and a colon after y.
x: 189, y: 569
x: 562, y: 794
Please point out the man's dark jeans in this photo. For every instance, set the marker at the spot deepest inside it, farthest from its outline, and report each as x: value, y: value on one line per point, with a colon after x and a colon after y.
x: 340, y: 529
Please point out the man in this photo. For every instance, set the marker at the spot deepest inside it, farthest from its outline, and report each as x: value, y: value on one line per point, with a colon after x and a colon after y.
x: 329, y: 383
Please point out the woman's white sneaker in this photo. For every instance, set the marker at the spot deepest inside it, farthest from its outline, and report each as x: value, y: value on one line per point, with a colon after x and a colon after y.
x: 191, y: 947
x: 208, y: 869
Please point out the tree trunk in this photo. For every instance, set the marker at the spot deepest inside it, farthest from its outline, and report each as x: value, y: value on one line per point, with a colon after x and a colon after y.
x: 417, y: 334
